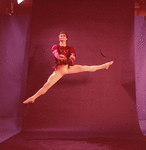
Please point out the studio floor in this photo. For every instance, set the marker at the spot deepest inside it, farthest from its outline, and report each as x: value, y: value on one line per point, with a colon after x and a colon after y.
x: 27, y: 140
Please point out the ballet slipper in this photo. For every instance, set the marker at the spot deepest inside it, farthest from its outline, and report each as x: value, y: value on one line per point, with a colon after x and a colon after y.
x: 106, y: 65
x: 29, y: 100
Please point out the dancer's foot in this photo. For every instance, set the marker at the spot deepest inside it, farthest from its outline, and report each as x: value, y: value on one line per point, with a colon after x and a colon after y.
x: 106, y: 65
x: 29, y: 100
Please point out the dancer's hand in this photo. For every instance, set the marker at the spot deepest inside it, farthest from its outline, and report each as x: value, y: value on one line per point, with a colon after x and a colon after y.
x: 72, y: 58
x: 62, y: 57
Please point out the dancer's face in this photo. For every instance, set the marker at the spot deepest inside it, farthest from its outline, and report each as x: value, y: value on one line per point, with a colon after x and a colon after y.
x: 62, y: 37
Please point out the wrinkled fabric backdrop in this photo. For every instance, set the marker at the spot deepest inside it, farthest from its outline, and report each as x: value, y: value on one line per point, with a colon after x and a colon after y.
x: 103, y: 101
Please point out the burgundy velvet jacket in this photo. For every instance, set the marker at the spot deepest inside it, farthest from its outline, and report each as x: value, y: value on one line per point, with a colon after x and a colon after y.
x: 66, y: 51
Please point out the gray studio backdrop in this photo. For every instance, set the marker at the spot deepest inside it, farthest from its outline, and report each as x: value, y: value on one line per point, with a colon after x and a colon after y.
x: 140, y: 69
x: 14, y: 49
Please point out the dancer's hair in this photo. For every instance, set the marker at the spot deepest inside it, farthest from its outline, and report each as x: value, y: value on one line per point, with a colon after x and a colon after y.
x: 63, y: 32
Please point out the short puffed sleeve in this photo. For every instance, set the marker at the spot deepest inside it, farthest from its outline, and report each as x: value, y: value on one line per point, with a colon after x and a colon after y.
x: 72, y: 50
x: 54, y: 47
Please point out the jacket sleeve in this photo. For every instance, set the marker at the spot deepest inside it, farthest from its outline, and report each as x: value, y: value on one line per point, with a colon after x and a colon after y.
x: 72, y: 51
x: 55, y: 51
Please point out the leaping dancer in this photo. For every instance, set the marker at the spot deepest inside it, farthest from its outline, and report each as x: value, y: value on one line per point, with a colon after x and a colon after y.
x: 64, y: 56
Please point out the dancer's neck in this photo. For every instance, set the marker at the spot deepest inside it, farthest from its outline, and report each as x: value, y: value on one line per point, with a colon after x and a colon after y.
x: 62, y: 43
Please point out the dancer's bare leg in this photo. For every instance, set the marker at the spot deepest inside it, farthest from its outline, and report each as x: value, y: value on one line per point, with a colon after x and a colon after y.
x: 62, y: 70
x: 56, y: 75
x: 80, y: 68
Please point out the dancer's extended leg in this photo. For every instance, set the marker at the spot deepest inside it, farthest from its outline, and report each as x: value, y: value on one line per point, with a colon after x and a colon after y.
x: 80, y: 68
x: 56, y: 75
x: 62, y: 70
